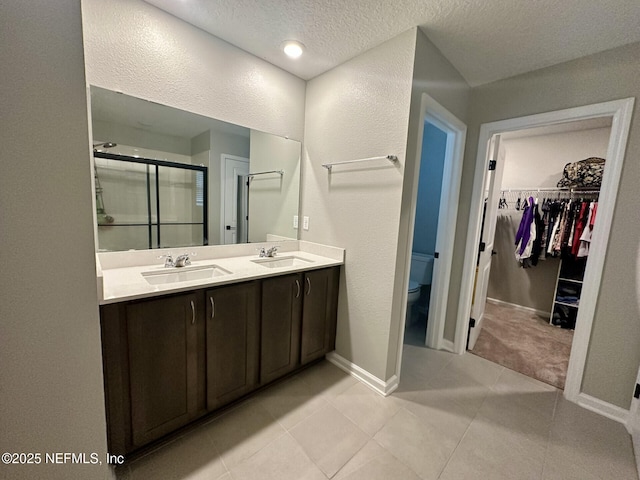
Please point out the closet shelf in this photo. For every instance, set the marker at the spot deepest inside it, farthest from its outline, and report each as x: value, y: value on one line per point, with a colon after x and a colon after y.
x: 574, y: 305
x: 571, y: 280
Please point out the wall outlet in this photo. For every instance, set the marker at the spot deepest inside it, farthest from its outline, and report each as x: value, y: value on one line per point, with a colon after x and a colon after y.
x: 305, y: 223
x: 295, y: 221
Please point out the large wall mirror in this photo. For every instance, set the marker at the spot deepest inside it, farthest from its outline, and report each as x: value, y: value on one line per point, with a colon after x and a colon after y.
x: 169, y: 178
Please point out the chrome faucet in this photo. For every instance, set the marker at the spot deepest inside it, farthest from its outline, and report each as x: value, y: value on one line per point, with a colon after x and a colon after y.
x: 268, y: 252
x: 180, y: 261
x: 168, y: 260
x: 183, y: 260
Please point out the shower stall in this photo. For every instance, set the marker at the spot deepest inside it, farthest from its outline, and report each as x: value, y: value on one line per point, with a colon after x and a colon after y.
x: 145, y: 203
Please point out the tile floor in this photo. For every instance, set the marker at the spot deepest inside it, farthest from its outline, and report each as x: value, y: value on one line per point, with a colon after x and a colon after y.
x: 453, y: 417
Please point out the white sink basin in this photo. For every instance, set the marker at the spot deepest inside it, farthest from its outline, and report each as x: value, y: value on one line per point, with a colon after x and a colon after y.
x: 280, y: 262
x: 184, y: 274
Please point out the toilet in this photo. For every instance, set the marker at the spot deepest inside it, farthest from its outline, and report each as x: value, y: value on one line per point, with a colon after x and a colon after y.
x: 419, y: 275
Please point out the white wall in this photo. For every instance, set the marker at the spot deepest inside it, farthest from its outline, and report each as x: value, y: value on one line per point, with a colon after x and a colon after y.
x: 538, y: 161
x: 133, y: 47
x: 360, y: 109
x: 273, y: 199
x: 51, y: 390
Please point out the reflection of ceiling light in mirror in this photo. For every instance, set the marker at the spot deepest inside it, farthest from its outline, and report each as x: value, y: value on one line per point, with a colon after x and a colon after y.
x: 293, y: 48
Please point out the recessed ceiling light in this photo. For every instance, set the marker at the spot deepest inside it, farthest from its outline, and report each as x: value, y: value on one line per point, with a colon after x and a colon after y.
x: 293, y: 48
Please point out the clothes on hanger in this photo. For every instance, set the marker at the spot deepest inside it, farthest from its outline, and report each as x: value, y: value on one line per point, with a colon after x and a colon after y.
x: 563, y: 228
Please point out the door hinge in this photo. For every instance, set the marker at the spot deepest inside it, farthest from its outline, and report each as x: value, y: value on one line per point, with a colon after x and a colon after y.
x: 636, y: 394
x: 483, y: 246
x: 436, y: 255
x: 472, y: 322
x: 492, y: 164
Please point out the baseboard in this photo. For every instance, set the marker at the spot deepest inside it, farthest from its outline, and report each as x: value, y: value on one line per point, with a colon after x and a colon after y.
x: 373, y: 382
x: 635, y: 436
x: 605, y: 409
x: 447, y: 345
x: 542, y: 313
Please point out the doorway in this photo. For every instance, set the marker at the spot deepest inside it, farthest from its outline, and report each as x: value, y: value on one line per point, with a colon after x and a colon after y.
x: 436, y: 190
x: 529, y: 303
x: 234, y: 221
x: 620, y: 113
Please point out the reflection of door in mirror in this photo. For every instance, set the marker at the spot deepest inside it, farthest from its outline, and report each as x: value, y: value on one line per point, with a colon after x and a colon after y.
x: 234, y: 169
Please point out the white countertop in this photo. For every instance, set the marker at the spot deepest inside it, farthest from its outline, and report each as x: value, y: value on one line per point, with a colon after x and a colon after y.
x: 120, y: 274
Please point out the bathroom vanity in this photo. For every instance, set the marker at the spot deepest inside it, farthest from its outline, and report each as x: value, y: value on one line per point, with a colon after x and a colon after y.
x: 176, y: 349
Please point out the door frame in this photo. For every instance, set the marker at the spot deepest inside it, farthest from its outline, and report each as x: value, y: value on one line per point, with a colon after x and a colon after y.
x: 223, y: 172
x: 621, y: 112
x: 456, y: 132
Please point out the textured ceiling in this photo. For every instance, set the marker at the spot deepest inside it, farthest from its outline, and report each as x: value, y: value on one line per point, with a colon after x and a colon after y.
x: 484, y: 40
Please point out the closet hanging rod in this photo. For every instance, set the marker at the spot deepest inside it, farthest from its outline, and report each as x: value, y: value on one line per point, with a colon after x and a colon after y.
x: 391, y: 158
x: 279, y: 172
x: 556, y: 189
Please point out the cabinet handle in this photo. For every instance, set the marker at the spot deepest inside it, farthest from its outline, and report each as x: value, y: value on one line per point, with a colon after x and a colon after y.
x: 213, y: 307
x: 193, y: 313
x: 309, y: 285
x: 298, y: 285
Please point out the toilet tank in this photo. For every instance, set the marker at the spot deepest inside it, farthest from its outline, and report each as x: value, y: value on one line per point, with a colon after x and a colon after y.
x: 421, y: 268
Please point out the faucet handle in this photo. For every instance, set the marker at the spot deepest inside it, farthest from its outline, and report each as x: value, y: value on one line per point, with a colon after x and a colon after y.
x: 168, y: 262
x: 262, y: 252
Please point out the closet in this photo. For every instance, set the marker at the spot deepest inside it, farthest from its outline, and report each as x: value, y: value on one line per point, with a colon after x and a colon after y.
x: 547, y: 208
x: 556, y: 223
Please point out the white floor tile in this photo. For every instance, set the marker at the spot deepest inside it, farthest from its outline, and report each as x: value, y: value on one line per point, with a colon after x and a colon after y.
x: 329, y: 438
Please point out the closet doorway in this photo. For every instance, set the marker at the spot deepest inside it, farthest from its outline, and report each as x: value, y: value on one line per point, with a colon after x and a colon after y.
x: 619, y: 112
x: 533, y: 291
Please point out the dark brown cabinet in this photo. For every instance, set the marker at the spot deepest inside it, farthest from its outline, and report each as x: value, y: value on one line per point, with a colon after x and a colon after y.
x: 318, y: 331
x: 281, y: 314
x: 298, y: 320
x: 172, y: 359
x: 233, y: 342
x: 150, y: 356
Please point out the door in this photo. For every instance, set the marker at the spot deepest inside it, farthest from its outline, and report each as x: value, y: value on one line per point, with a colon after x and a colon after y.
x: 233, y: 342
x: 319, y: 313
x: 162, y: 336
x: 281, y: 312
x: 485, y: 254
x: 235, y: 168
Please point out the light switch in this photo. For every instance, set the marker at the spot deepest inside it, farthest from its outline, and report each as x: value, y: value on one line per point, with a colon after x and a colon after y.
x: 305, y: 223
x: 295, y: 221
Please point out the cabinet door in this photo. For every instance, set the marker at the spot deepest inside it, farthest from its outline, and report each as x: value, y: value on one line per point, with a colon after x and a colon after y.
x: 281, y: 310
x: 162, y: 336
x: 232, y: 342
x: 319, y: 313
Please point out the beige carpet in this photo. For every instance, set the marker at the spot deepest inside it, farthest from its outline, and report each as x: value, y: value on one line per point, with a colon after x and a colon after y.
x: 526, y: 343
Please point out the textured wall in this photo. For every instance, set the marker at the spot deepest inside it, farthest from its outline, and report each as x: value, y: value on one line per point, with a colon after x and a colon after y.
x: 435, y: 76
x: 613, y: 357
x: 133, y: 47
x: 360, y: 109
x: 51, y: 393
